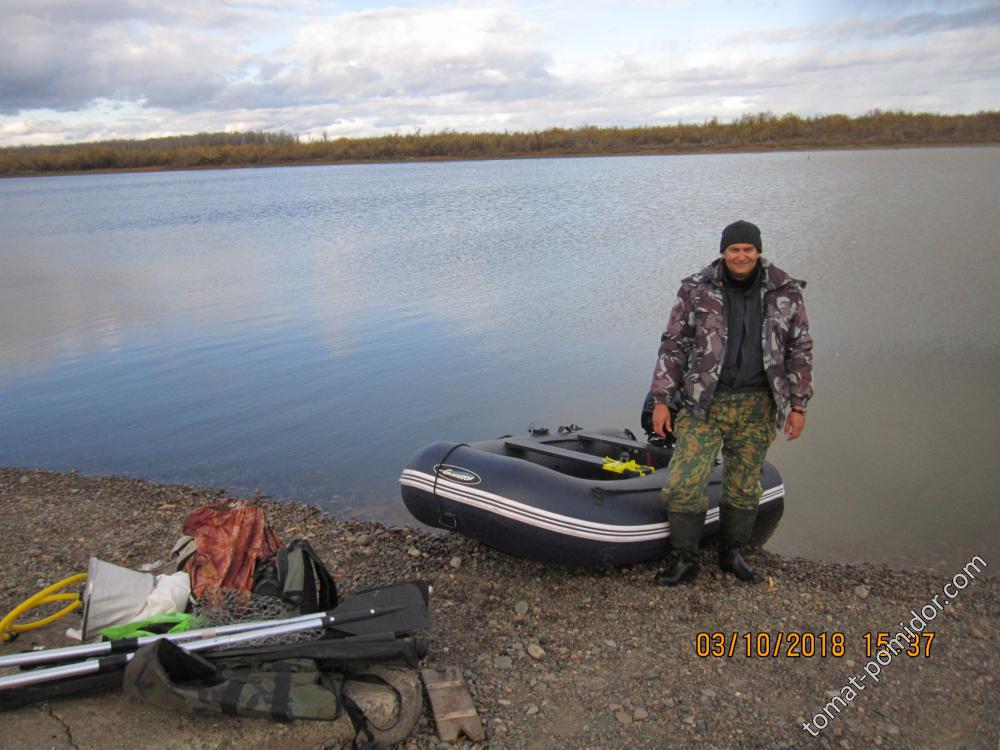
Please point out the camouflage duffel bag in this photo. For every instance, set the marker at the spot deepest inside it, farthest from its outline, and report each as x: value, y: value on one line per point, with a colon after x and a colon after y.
x: 164, y: 674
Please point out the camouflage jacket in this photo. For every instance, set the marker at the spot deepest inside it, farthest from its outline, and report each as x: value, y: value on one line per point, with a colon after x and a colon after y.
x: 693, y: 347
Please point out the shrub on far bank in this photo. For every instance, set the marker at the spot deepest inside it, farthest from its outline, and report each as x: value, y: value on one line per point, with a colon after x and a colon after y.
x: 750, y: 132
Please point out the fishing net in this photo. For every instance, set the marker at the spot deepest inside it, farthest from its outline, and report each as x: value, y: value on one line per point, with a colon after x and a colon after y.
x: 229, y: 607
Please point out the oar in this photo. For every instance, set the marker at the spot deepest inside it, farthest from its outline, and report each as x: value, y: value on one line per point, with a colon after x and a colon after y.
x: 399, y: 608
x: 118, y: 661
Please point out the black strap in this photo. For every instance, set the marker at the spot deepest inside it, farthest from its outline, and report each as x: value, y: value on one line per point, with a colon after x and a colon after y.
x: 230, y: 698
x: 359, y: 721
x: 334, y: 682
x: 124, y: 645
x: 282, y: 690
x: 319, y: 589
x: 451, y: 450
x: 360, y: 724
x: 112, y: 663
x: 373, y: 679
x: 320, y: 579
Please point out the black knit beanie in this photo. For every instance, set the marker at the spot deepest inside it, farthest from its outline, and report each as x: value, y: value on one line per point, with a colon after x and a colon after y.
x: 739, y: 232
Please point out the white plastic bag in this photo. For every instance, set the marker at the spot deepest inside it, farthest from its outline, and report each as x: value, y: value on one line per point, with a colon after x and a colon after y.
x: 170, y: 595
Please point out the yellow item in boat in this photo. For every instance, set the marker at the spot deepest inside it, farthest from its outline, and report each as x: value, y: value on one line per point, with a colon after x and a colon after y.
x: 620, y: 467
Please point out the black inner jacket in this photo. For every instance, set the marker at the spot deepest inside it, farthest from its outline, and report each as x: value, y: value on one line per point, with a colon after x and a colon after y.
x: 743, y: 370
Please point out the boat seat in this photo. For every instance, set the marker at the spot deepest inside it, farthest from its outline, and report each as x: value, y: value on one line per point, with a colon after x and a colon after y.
x: 531, y: 446
x: 554, y: 451
x: 612, y: 440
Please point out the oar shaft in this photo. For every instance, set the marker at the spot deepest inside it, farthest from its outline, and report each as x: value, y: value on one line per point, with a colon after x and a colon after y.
x: 400, y: 608
x: 125, y: 645
x: 117, y: 661
x: 38, y: 676
x: 315, y: 621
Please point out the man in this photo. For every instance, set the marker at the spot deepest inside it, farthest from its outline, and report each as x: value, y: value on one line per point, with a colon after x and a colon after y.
x: 738, y: 356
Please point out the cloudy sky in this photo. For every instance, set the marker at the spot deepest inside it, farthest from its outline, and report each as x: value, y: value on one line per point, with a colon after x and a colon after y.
x: 76, y: 70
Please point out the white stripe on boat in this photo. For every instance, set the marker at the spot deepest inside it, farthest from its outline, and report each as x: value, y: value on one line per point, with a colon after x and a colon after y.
x: 543, y: 519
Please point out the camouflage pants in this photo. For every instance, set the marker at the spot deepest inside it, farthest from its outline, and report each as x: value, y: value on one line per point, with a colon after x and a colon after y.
x: 743, y: 425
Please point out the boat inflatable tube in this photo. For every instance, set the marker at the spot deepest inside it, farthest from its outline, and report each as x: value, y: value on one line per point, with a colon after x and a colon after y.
x: 586, y: 498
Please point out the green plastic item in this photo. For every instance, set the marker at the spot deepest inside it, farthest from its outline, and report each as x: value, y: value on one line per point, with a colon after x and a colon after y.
x: 155, y: 625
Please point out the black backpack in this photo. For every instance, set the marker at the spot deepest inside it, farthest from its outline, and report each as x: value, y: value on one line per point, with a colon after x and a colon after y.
x: 296, y: 575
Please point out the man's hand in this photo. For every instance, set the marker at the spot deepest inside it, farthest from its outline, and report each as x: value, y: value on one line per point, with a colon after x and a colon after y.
x: 661, y: 420
x: 794, y: 425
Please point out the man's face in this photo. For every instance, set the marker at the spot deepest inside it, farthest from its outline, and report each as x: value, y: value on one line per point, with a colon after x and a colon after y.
x: 740, y: 259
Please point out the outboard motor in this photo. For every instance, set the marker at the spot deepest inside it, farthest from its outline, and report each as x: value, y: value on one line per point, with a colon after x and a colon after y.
x: 646, y: 421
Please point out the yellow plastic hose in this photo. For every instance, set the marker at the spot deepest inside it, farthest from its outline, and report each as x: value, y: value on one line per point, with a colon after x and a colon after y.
x: 9, y: 630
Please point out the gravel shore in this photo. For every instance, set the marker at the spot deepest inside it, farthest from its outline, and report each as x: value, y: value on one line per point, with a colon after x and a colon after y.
x: 554, y: 657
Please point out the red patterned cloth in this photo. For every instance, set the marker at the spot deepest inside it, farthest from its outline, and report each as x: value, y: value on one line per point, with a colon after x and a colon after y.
x: 231, y: 537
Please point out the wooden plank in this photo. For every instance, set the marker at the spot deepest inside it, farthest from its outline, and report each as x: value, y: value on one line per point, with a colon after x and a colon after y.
x: 452, y: 706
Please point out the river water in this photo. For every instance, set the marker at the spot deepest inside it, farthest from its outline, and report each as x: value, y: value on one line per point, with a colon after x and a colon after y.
x: 301, y: 331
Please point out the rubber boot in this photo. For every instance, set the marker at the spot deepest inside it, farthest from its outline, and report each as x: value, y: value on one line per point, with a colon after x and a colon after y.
x: 735, y: 525
x: 685, y: 533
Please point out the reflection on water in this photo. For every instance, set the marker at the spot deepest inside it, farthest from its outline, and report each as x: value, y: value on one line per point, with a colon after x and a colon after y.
x: 301, y: 331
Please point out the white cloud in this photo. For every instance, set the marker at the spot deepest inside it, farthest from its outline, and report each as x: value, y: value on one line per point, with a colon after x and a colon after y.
x: 880, y: 28
x: 133, y: 68
x: 398, y: 53
x: 66, y: 64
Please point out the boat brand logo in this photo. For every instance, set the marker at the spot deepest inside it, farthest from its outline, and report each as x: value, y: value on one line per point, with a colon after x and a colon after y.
x: 457, y: 474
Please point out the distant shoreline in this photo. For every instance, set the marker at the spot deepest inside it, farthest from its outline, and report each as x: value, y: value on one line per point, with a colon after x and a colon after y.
x: 751, y: 149
x: 752, y: 133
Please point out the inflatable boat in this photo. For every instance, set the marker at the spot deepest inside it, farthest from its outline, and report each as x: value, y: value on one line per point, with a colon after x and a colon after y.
x: 578, y: 497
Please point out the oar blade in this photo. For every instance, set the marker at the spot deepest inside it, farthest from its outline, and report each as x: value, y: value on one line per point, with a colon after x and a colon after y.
x: 400, y: 608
